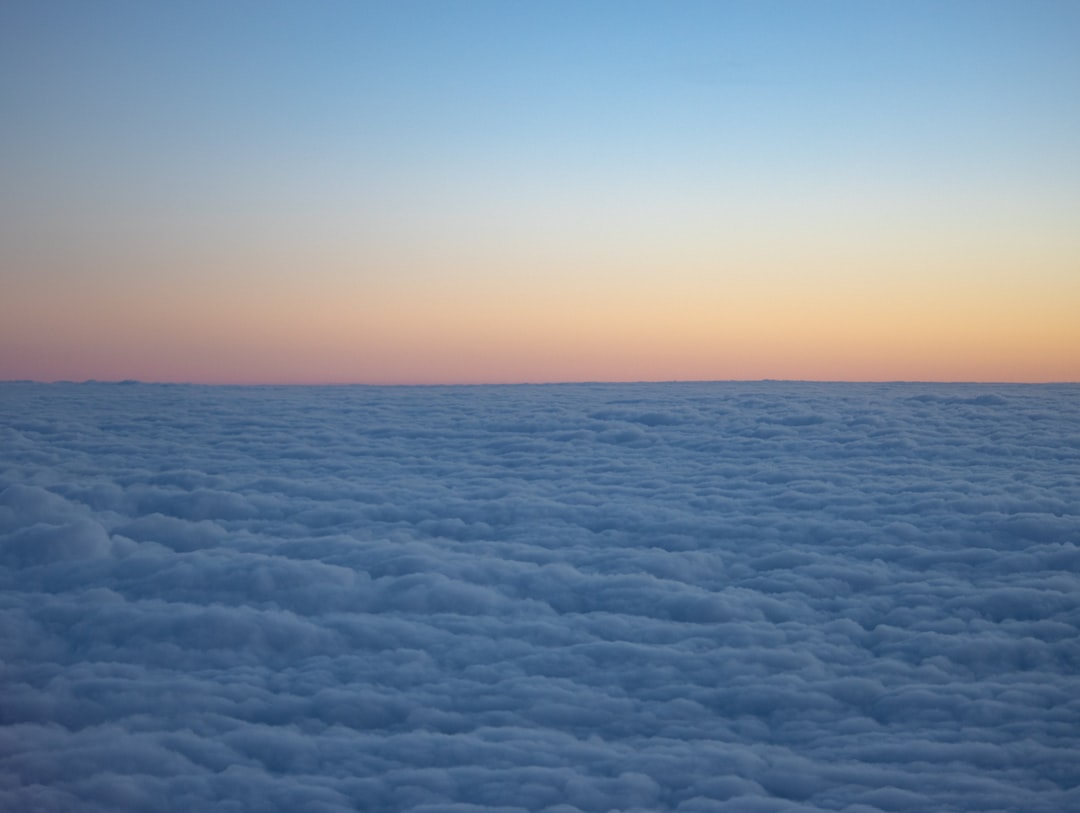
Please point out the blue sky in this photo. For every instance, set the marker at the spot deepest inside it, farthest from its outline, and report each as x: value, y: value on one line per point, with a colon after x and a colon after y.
x: 379, y: 152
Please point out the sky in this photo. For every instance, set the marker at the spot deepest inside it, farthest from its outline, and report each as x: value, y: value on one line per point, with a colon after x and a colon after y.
x: 472, y: 192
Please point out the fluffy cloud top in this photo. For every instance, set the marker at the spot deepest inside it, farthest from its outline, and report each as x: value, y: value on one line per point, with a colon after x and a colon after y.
x: 695, y: 597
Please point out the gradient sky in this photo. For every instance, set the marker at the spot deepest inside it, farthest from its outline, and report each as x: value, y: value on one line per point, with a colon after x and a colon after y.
x: 505, y: 191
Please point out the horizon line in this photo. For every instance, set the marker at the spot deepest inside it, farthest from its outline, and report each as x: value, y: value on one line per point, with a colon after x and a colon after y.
x: 583, y: 382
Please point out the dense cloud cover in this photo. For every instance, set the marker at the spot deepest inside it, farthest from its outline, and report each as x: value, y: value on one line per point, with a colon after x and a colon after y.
x: 689, y: 597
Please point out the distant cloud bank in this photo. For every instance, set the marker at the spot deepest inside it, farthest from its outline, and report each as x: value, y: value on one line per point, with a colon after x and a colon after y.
x: 688, y: 597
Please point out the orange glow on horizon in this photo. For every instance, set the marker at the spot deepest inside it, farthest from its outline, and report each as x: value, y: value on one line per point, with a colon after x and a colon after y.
x: 472, y: 325
x: 425, y: 344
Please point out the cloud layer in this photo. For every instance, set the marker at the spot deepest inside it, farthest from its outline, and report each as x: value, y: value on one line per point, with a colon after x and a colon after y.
x: 686, y: 597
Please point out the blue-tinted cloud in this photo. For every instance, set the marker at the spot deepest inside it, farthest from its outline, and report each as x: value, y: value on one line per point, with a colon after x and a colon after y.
x: 738, y: 597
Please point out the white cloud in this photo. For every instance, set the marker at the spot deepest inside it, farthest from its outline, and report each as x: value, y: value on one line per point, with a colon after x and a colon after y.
x: 566, y: 598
